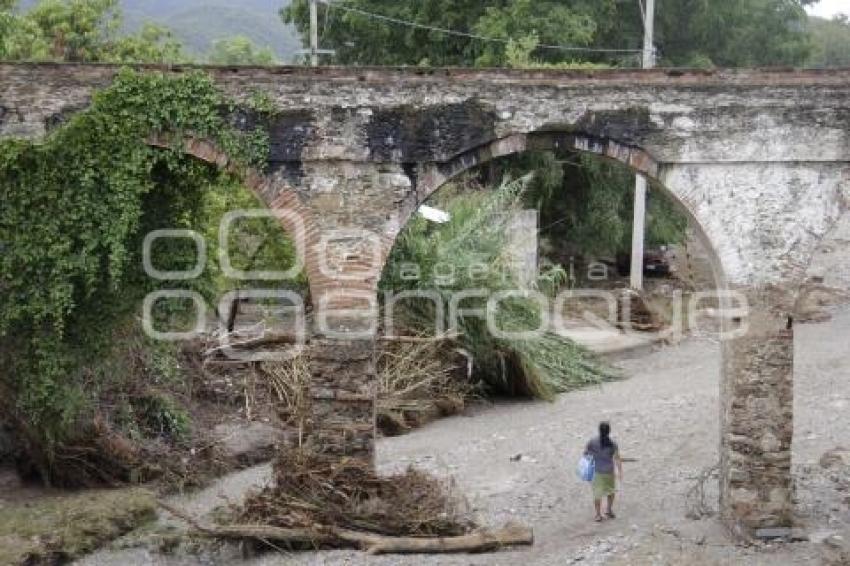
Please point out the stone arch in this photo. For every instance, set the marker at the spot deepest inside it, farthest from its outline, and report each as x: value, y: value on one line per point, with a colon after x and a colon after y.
x: 750, y: 497
x: 431, y: 176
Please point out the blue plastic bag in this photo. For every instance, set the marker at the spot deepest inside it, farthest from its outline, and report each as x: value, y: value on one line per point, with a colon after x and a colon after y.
x: 586, y: 468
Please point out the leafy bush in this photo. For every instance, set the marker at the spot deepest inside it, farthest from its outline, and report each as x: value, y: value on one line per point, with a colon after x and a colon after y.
x: 162, y: 416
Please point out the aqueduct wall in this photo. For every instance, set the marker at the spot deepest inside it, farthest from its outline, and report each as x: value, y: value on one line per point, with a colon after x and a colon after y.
x: 759, y: 159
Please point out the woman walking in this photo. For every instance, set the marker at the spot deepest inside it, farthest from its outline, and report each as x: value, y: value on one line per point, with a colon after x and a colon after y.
x: 605, y: 454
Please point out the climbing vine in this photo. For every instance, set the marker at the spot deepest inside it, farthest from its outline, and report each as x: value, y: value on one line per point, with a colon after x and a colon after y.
x: 74, y: 210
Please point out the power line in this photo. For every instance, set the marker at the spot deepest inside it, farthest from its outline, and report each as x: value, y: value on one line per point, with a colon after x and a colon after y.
x: 467, y: 35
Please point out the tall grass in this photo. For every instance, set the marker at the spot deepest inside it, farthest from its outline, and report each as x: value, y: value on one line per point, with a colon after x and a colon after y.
x: 476, y: 235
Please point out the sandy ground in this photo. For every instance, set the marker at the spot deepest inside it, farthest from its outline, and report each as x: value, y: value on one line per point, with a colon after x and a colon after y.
x: 515, y: 461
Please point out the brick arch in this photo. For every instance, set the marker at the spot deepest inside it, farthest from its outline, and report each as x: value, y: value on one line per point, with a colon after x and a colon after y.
x: 274, y: 194
x: 432, y: 176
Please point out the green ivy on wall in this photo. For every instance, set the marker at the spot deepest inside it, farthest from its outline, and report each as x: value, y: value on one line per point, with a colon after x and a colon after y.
x: 74, y: 210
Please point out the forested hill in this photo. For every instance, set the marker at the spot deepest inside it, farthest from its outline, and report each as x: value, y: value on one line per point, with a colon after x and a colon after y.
x: 198, y: 23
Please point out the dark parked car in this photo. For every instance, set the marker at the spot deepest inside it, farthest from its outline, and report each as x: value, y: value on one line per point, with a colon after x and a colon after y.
x: 655, y: 263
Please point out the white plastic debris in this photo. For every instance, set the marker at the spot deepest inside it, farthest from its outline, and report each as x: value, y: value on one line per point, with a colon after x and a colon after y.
x: 434, y: 214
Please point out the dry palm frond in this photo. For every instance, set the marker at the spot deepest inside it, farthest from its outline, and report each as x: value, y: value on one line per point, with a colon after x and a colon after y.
x: 418, y: 383
x: 405, y: 369
x: 290, y: 382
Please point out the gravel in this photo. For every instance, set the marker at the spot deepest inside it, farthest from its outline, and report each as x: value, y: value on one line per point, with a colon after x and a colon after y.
x: 515, y: 461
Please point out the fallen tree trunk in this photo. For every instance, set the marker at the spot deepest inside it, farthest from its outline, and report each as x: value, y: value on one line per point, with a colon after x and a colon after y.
x: 480, y: 541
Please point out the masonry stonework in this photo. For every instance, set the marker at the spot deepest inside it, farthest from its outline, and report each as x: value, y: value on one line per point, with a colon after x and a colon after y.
x: 759, y: 160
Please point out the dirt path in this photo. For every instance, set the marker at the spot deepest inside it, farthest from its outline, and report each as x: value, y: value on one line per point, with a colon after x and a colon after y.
x: 665, y: 416
x: 515, y: 461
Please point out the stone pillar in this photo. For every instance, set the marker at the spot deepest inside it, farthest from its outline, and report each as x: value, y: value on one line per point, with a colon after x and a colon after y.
x: 343, y: 383
x: 354, y: 211
x: 342, y: 394
x: 757, y: 414
x: 761, y: 222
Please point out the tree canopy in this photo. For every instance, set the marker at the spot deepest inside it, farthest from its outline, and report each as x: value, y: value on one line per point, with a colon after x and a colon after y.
x: 830, y: 42
x: 240, y: 50
x: 689, y: 32
x: 744, y: 33
x: 80, y: 31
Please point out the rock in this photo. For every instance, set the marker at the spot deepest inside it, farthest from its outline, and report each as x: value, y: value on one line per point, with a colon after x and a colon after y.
x: 819, y: 537
x: 771, y: 533
x: 669, y: 531
x: 9, y: 479
x: 248, y: 443
x: 836, y: 549
x: 835, y: 458
x: 835, y: 541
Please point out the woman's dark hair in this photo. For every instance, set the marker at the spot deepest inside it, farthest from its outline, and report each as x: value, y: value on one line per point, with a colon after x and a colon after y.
x: 605, y: 435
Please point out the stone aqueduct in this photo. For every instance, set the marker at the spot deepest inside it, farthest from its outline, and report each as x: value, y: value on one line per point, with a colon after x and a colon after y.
x: 760, y: 160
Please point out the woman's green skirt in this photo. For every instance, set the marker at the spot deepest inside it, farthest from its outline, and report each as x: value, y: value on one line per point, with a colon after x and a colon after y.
x: 603, y: 485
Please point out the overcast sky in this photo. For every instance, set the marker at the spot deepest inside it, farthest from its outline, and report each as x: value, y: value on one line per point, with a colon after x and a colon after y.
x: 828, y: 8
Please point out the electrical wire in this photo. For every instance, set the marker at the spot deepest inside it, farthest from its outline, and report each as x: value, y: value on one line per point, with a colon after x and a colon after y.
x: 468, y: 35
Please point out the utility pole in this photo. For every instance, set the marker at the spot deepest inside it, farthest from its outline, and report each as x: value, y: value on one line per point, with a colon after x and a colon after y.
x: 314, y: 50
x: 314, y: 33
x: 639, y: 222
x: 649, y: 35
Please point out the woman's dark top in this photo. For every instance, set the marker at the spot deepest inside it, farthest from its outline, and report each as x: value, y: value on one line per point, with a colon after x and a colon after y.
x: 603, y: 456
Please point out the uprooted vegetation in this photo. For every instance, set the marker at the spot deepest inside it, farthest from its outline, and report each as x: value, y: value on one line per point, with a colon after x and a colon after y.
x: 420, y: 381
x: 469, y: 253
x: 153, y: 421
x: 322, y: 502
x: 311, y: 490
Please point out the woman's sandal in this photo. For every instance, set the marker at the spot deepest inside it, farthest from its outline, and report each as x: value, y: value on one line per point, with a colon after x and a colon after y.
x: 610, y: 515
x: 599, y: 519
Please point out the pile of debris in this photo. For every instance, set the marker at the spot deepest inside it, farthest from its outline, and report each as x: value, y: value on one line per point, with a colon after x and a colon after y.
x: 312, y: 489
x: 634, y: 314
x: 420, y: 380
x: 323, y: 502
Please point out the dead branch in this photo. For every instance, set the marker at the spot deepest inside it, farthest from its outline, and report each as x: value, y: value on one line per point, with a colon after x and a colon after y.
x: 697, y: 508
x: 265, y: 340
x: 421, y: 339
x: 258, y: 532
x: 284, y: 338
